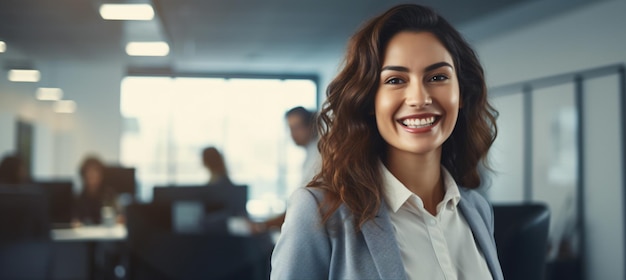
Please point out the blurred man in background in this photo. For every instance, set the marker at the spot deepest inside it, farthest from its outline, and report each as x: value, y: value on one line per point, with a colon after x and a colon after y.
x: 302, y: 126
x: 304, y: 134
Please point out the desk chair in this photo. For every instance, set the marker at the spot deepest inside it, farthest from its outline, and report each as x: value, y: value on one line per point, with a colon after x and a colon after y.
x: 25, y: 246
x: 521, y: 235
x: 159, y: 252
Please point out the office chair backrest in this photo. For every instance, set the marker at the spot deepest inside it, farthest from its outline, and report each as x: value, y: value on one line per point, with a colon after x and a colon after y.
x: 521, y: 234
x: 23, y: 213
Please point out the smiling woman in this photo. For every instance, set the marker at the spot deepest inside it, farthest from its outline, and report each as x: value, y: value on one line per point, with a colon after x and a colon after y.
x: 417, y: 102
x: 402, y: 134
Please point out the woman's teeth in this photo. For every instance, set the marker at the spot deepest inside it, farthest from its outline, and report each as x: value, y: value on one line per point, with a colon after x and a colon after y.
x: 417, y: 123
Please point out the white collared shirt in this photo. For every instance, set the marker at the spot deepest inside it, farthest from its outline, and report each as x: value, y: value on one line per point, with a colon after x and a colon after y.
x: 433, y: 247
x: 312, y: 162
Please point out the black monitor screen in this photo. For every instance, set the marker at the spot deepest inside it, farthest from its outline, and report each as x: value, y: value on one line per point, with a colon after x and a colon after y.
x: 60, y: 200
x: 233, y: 198
x: 121, y: 179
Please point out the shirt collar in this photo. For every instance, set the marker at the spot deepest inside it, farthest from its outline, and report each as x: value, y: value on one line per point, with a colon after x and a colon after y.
x: 453, y: 195
x: 396, y: 194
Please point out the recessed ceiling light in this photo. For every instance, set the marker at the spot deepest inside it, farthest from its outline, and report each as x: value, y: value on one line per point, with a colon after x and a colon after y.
x: 23, y: 75
x: 147, y: 49
x: 49, y: 94
x: 65, y: 106
x: 3, y: 47
x: 126, y: 11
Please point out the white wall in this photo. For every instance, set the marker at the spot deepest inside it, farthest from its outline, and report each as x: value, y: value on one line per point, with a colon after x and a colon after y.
x: 582, y: 39
x: 590, y: 37
x: 96, y: 126
x: 62, y: 140
x: 17, y: 101
x: 6, y: 128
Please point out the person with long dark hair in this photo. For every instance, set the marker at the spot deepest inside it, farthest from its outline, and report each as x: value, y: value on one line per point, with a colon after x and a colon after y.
x: 96, y: 198
x: 213, y: 160
x: 403, y: 132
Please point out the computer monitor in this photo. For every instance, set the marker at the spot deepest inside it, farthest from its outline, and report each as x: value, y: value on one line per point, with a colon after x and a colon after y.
x: 121, y: 179
x: 231, y: 198
x: 60, y: 196
x: 23, y: 212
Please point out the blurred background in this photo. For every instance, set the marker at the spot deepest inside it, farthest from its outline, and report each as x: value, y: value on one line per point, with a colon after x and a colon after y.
x: 76, y: 81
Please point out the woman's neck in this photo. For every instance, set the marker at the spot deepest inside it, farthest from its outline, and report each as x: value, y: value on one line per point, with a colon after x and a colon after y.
x: 420, y: 173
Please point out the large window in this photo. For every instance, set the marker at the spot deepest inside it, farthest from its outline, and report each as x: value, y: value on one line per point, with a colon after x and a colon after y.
x: 168, y: 121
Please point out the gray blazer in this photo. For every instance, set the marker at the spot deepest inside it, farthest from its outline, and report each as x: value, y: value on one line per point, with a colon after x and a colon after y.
x: 307, y: 249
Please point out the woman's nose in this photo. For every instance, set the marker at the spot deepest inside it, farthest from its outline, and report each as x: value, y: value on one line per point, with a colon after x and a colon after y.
x: 417, y: 96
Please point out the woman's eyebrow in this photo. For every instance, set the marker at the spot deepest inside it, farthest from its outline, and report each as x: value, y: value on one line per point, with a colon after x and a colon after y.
x: 426, y: 69
x: 437, y: 65
x: 395, y: 68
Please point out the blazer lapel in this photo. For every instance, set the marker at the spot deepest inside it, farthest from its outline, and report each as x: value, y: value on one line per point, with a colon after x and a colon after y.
x: 381, y: 242
x: 482, y: 237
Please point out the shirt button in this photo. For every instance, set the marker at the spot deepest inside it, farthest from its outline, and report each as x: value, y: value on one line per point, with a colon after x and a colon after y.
x: 432, y: 222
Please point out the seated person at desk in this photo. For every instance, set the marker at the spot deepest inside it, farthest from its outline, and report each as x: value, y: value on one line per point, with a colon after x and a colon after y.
x: 12, y: 170
x: 214, y: 163
x: 95, y: 199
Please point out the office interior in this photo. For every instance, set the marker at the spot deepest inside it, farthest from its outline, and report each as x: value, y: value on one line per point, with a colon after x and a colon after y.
x: 555, y: 70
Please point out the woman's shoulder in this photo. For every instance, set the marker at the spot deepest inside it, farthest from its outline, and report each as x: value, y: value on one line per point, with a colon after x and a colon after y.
x: 311, y: 201
x: 475, y: 200
x: 307, y: 196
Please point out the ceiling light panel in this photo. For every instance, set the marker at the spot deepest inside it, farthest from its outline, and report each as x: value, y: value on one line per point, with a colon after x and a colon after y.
x: 126, y: 11
x: 65, y: 106
x: 147, y: 49
x: 22, y: 75
x: 49, y: 94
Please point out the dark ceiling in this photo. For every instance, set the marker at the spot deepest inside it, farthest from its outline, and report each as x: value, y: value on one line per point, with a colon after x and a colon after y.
x: 232, y: 36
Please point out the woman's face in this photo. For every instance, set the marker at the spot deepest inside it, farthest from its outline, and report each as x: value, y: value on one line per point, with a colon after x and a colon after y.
x: 93, y: 178
x: 300, y: 131
x: 417, y: 101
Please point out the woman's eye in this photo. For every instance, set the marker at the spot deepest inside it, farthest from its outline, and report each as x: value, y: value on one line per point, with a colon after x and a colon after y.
x: 394, y: 81
x: 438, y: 78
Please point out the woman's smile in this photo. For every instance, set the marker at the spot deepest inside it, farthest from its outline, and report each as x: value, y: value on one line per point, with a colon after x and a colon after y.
x: 419, y: 123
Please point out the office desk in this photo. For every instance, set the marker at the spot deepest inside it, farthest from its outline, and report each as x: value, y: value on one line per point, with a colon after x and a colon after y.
x: 91, y: 233
x: 90, y: 241
x: 95, y: 240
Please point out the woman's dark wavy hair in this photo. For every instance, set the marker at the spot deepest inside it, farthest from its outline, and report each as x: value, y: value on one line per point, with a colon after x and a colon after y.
x: 90, y: 161
x: 350, y: 143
